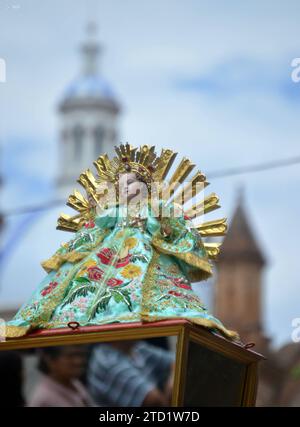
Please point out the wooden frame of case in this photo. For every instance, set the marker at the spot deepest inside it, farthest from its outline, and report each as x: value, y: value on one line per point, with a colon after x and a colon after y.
x: 186, y: 333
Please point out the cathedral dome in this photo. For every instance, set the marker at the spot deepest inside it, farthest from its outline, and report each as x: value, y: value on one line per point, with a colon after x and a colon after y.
x: 89, y: 86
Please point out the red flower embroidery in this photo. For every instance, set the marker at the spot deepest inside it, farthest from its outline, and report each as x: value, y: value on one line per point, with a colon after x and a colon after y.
x: 176, y: 294
x: 106, y: 257
x: 178, y: 282
x: 95, y: 273
x: 184, y: 286
x: 123, y: 261
x: 114, y: 282
x: 186, y: 217
x: 89, y: 224
x: 49, y: 288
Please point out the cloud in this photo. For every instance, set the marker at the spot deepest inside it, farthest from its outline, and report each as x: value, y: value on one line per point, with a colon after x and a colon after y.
x: 28, y: 171
x: 243, y: 76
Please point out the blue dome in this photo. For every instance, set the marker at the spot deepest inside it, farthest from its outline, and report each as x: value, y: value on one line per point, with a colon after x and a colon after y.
x: 89, y: 86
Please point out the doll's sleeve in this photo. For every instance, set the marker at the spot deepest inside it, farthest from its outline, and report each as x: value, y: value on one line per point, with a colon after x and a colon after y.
x: 184, y: 243
x: 84, y: 241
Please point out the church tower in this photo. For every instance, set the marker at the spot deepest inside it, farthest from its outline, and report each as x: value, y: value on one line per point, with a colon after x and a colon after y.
x: 89, y: 114
x: 238, y: 287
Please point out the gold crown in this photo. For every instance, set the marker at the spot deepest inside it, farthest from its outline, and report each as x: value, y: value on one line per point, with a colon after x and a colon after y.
x: 151, y: 168
x: 143, y: 162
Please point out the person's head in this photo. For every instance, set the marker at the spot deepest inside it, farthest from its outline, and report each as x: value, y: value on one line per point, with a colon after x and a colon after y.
x: 63, y: 363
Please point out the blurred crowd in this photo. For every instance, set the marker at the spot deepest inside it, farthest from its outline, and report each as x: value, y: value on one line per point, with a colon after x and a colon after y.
x: 120, y: 374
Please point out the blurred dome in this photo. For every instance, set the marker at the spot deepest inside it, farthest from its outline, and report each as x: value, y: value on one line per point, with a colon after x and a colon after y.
x: 89, y: 86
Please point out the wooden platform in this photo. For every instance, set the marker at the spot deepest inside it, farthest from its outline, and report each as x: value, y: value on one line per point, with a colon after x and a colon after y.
x: 210, y: 370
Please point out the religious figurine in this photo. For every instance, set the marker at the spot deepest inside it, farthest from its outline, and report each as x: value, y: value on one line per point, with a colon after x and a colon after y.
x: 136, y: 250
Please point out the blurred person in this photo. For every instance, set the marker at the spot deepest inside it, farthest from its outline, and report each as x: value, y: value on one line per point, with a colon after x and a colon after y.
x: 131, y: 373
x: 60, y: 385
x: 11, y: 374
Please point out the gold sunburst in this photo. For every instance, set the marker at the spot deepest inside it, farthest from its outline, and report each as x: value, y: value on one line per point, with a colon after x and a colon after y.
x: 144, y: 161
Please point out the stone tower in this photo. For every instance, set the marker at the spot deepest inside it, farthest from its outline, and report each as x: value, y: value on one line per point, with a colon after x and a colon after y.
x: 238, y: 287
x: 89, y: 113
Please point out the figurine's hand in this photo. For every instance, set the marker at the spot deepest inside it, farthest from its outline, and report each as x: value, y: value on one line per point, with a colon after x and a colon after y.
x: 165, y: 230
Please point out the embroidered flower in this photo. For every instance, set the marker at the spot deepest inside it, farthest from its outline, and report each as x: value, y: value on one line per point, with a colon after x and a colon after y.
x: 114, y: 282
x: 131, y: 271
x: 89, y: 224
x: 123, y: 261
x: 86, y: 265
x: 90, y: 263
x: 131, y: 242
x: 49, y: 288
x: 178, y: 282
x: 95, y: 273
x: 106, y: 256
x: 176, y: 294
x: 80, y: 303
x: 184, y: 286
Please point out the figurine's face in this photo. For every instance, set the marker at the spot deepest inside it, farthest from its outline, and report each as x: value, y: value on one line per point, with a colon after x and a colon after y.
x: 131, y: 188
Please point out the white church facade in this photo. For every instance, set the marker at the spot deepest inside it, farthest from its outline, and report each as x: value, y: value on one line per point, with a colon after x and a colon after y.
x: 89, y: 112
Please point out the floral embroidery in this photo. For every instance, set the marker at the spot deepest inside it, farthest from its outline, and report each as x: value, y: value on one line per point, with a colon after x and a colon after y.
x: 194, y: 301
x: 89, y: 224
x: 176, y: 294
x: 114, y: 282
x: 178, y: 282
x: 113, y: 291
x: 106, y: 257
x: 131, y: 271
x: 81, y: 303
x: 95, y: 273
x: 150, y: 281
x: 86, y: 265
x: 81, y: 239
x: 131, y: 242
x: 123, y: 261
x: 49, y: 288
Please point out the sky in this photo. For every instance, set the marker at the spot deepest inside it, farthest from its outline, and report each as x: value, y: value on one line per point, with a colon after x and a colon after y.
x: 210, y: 79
